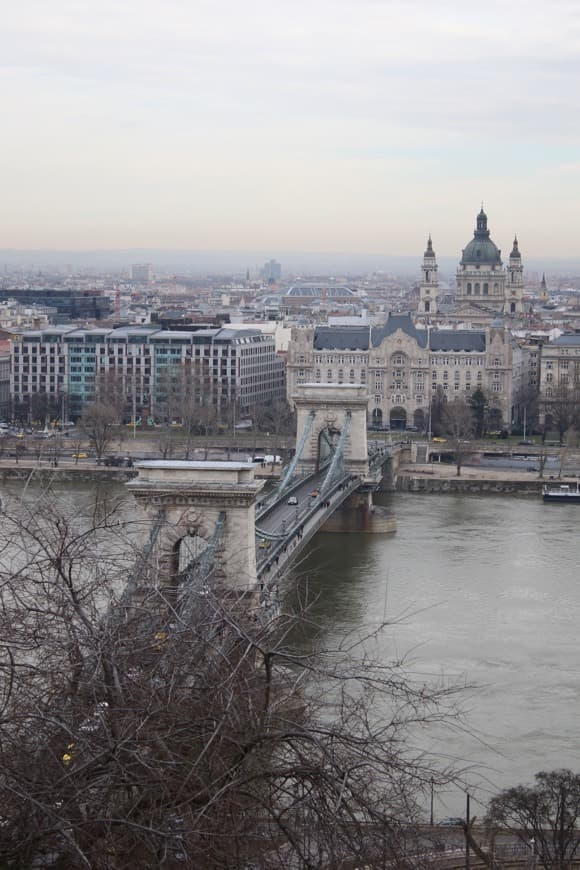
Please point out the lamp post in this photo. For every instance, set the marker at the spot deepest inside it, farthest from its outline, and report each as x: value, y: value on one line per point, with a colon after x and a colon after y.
x: 467, y: 821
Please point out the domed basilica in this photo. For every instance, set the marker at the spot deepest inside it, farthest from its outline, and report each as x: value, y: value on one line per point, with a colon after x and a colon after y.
x: 483, y: 284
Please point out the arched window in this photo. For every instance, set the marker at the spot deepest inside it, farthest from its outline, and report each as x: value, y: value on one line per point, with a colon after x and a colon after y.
x: 496, y: 288
x: 469, y: 288
x: 513, y: 307
x: 485, y: 289
x: 427, y: 306
x: 427, y: 276
x: 351, y: 376
x: 329, y: 376
x: 476, y: 291
x: 340, y: 376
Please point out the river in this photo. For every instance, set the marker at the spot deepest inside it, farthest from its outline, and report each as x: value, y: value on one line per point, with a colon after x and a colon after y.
x: 488, y: 588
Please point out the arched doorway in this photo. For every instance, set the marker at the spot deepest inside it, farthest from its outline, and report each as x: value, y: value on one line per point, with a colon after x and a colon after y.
x: 398, y: 418
x: 377, y: 418
x: 419, y: 419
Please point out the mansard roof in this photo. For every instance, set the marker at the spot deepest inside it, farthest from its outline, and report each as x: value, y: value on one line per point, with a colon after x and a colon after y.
x: 402, y: 322
x: 457, y: 339
x: 341, y: 338
x: 567, y: 339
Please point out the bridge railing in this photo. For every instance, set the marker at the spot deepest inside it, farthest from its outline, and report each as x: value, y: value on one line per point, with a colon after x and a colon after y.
x: 302, y: 527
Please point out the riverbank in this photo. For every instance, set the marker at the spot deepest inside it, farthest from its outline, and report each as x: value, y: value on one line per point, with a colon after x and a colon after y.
x: 443, y: 478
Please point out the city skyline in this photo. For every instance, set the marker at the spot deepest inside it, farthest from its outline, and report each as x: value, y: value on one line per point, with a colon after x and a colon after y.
x: 334, y: 127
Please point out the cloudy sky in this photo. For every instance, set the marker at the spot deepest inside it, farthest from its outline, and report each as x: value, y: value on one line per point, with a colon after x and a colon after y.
x: 351, y: 125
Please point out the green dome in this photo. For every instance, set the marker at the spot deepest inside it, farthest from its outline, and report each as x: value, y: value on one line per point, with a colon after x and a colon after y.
x: 481, y: 250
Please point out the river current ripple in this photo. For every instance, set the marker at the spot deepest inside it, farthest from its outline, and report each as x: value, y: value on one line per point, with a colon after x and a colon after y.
x: 489, y: 588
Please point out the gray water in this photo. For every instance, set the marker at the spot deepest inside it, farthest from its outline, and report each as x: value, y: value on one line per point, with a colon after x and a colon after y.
x: 479, y: 588
x: 489, y: 592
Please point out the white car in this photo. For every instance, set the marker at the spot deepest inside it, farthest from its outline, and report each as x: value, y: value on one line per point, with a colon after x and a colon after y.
x: 292, y: 500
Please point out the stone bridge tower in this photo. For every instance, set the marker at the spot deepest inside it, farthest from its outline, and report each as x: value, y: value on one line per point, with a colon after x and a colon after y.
x: 194, y: 498
x: 322, y: 411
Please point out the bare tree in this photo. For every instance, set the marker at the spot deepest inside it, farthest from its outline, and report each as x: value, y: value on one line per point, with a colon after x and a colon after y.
x: 98, y: 424
x: 458, y: 424
x: 545, y: 815
x: 144, y: 727
x: 562, y: 408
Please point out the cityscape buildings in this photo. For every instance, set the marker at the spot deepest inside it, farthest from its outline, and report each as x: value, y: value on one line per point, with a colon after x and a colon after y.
x: 483, y: 325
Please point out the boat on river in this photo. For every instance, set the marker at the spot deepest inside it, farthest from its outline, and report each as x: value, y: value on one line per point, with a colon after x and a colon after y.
x: 564, y: 493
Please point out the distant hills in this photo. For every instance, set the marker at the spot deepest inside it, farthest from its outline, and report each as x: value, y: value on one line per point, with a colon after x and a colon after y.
x: 230, y: 262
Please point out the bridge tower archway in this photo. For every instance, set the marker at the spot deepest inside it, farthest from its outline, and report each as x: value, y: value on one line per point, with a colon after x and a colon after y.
x: 327, y: 442
x: 323, y: 409
x: 193, y: 499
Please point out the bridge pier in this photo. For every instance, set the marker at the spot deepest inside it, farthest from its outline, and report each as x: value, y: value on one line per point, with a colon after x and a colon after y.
x: 359, y: 514
x: 195, y: 498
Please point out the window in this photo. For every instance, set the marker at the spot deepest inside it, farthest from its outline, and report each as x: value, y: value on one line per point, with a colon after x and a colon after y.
x: 329, y: 376
x: 549, y: 377
x: 496, y: 388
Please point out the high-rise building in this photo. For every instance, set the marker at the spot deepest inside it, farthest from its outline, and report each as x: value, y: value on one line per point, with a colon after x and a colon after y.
x: 272, y: 271
x: 142, y: 273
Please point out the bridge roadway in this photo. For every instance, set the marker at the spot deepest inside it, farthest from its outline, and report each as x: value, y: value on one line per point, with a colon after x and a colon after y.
x: 283, y: 529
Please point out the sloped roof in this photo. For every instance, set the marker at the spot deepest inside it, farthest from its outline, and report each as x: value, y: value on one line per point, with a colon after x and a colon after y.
x: 567, y: 340
x: 457, y: 339
x: 341, y: 338
x: 399, y: 321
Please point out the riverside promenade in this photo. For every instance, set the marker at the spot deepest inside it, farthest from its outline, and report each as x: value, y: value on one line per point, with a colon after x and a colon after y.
x: 440, y: 477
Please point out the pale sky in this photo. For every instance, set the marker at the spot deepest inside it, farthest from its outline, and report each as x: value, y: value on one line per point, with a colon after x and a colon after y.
x: 351, y: 125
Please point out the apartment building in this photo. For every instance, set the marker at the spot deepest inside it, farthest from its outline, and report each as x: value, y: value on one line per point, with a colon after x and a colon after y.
x: 220, y: 366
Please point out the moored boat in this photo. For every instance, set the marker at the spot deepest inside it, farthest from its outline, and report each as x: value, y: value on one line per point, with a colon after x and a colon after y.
x: 564, y: 493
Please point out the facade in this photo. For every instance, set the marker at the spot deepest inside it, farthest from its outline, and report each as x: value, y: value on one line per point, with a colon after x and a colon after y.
x: 402, y: 366
x: 482, y: 279
x: 559, y: 390
x: 70, y: 366
x: 4, y: 379
x: 142, y: 273
x: 68, y: 304
x: 271, y: 271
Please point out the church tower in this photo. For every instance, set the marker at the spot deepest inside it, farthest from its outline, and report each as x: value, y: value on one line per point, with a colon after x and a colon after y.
x: 429, y: 289
x: 544, y: 295
x: 514, y: 286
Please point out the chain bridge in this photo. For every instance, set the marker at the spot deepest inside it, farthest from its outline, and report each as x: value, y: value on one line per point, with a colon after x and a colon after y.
x: 214, y: 521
